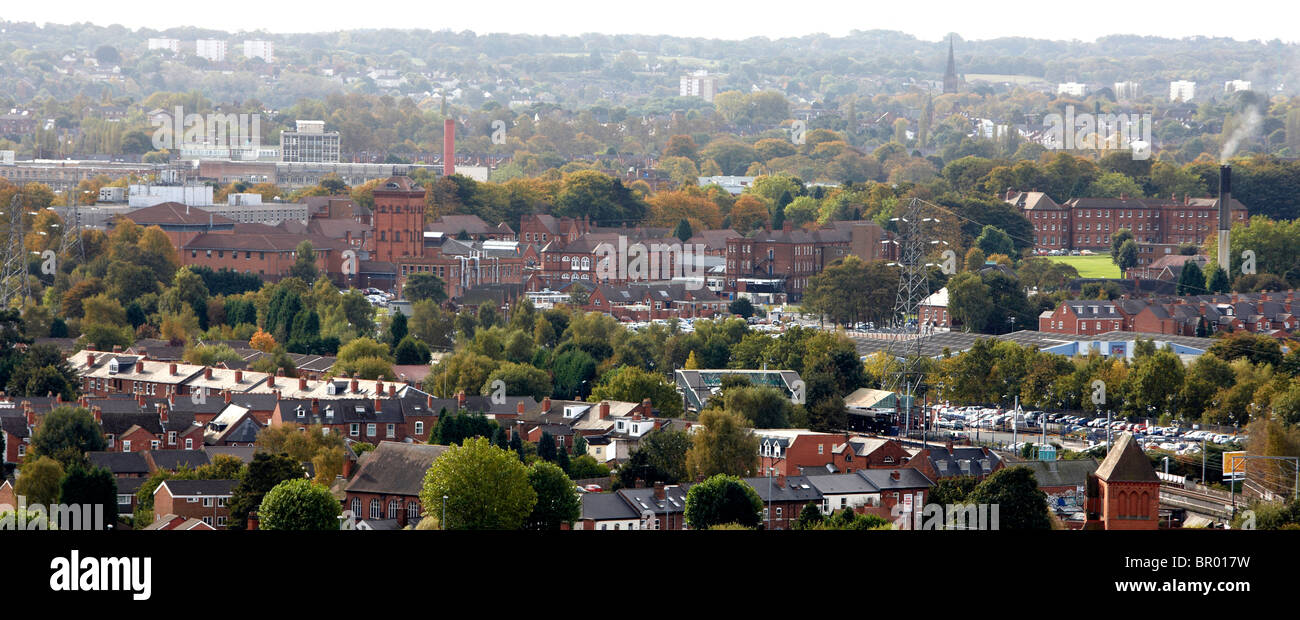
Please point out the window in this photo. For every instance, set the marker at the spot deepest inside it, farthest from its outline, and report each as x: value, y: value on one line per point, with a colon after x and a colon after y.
x: 412, y: 511
x: 370, y: 430
x: 191, y: 500
x: 189, y: 444
x: 821, y: 448
x: 374, y: 509
x: 391, y: 431
x: 207, y: 502
x: 393, y: 508
x: 221, y: 502
x: 153, y: 444
x: 207, y: 520
x: 171, y: 438
x: 419, y: 428
x: 221, y: 522
x: 124, y: 500
x: 126, y: 445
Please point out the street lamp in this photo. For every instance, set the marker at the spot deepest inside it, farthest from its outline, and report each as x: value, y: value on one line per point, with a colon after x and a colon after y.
x: 443, y: 524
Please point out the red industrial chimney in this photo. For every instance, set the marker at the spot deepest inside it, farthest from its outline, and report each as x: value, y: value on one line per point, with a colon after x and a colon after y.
x: 448, y: 147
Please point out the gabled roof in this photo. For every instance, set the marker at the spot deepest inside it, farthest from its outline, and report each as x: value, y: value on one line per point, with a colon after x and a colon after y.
x: 119, y: 462
x: 395, y: 468
x: 175, y: 213
x: 171, y: 460
x: 180, y: 488
x: 796, y: 489
x: 1126, y: 463
x: 607, y: 507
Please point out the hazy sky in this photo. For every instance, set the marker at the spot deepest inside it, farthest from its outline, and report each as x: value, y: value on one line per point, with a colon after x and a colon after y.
x: 727, y: 19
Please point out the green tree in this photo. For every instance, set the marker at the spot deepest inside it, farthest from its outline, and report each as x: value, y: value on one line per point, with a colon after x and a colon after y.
x: 412, y: 351
x: 952, y: 490
x: 557, y: 497
x: 396, y: 329
x: 683, y: 230
x: 574, y: 371
x: 1022, y: 505
x: 66, y: 435
x: 304, y: 263
x: 722, y: 445
x: 1127, y: 258
x: 632, y: 384
x: 994, y: 240
x: 40, y: 481
x: 1191, y: 281
x: 487, y: 488
x: 299, y: 505
x: 263, y: 474
x: 1117, y: 240
x: 425, y: 286
x: 809, y: 517
x: 762, y: 406
x: 88, y: 487
x: 1217, y: 281
x: 741, y: 306
x: 722, y: 499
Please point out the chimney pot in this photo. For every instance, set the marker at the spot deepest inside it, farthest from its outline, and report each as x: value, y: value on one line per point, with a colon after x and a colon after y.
x: 302, y: 384
x: 171, y: 368
x: 356, y: 387
x: 90, y: 359
x: 604, y: 409
x: 392, y: 390
x: 139, y: 366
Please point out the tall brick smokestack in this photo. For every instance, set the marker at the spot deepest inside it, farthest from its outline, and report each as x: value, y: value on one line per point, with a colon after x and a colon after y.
x: 1225, y: 214
x: 448, y: 147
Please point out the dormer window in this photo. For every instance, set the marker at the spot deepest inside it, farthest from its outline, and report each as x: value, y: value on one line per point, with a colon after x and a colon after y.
x: 301, y: 412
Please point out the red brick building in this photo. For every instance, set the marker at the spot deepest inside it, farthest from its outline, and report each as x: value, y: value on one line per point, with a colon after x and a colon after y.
x: 398, y: 220
x: 388, y: 482
x: 205, y: 500
x: 1089, y: 223
x: 778, y: 264
x: 1124, y: 494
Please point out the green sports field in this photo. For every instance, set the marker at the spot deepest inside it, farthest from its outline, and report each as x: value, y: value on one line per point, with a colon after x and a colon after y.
x: 1090, y: 266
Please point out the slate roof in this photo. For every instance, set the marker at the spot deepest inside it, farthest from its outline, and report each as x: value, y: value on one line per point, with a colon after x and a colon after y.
x: 1126, y: 463
x: 1061, y: 473
x: 607, y: 507
x: 796, y: 489
x: 120, y: 462
x: 395, y: 468
x: 172, y: 460
x: 199, y: 487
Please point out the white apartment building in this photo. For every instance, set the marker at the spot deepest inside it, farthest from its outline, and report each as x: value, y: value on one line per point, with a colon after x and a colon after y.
x: 211, y: 49
x: 1073, y: 89
x: 1128, y: 90
x: 171, y: 45
x: 1232, y: 86
x: 260, y: 49
x: 1182, y: 90
x: 699, y: 84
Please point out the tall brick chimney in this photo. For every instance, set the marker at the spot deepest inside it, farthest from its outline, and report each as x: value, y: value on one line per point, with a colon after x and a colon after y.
x: 604, y: 410
x: 171, y: 369
x: 392, y: 390
x: 270, y: 381
x: 546, y: 404
x: 207, y: 372
x: 139, y: 366
x: 95, y: 411
x: 90, y: 359
x: 519, y: 408
x: 448, y: 147
x: 162, y: 414
x: 226, y: 394
x: 659, y: 491
x: 239, y: 376
x: 460, y: 399
x: 302, y: 384
x: 355, y: 384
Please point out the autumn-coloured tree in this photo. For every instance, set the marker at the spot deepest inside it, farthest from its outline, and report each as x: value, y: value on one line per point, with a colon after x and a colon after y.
x: 263, y: 341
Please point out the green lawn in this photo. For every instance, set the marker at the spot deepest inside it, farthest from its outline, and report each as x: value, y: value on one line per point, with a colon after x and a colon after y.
x: 1090, y: 266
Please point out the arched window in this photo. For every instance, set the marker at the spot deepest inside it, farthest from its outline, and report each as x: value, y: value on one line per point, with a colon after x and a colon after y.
x: 393, y: 508
x: 412, y: 511
x: 356, y: 506
x: 374, y: 509
x: 586, y: 262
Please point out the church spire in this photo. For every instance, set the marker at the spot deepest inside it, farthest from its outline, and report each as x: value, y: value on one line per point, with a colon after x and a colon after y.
x: 950, y: 74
